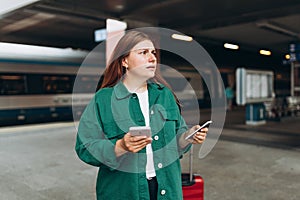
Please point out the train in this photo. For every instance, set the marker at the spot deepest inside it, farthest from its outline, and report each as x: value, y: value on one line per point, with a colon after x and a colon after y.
x: 36, y: 84
x: 41, y: 84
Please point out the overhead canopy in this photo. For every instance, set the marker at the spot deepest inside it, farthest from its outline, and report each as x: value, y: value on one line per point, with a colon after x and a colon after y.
x: 252, y: 24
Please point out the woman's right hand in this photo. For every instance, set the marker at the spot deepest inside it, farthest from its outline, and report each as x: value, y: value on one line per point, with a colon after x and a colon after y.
x: 131, y: 143
x: 135, y: 143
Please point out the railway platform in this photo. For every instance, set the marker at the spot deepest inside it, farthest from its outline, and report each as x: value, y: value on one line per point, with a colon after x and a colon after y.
x: 38, y: 162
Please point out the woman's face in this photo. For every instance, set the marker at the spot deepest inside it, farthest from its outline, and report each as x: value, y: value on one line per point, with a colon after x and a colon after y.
x: 141, y: 61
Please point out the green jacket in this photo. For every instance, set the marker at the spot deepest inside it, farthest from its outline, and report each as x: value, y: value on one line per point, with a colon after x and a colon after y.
x: 107, y: 118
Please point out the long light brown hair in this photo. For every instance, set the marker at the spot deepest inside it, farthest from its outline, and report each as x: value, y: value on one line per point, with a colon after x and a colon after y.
x: 115, y: 71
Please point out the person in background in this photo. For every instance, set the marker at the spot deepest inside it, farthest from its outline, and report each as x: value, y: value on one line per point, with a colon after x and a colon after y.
x: 133, y: 93
x: 229, y: 97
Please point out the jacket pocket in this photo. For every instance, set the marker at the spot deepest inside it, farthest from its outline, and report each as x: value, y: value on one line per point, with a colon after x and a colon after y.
x: 169, y: 118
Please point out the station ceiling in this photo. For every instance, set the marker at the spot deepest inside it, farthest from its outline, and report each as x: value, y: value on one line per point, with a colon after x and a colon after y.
x: 253, y: 24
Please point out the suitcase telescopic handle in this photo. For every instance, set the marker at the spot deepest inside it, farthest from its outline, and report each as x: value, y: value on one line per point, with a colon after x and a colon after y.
x: 191, y: 164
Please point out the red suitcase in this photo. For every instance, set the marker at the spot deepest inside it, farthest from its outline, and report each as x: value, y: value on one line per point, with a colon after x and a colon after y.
x: 192, y: 185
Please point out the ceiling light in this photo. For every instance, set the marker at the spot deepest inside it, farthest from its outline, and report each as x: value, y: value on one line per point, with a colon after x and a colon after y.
x: 182, y: 37
x: 287, y: 56
x: 265, y: 52
x: 231, y: 46
x: 119, y: 7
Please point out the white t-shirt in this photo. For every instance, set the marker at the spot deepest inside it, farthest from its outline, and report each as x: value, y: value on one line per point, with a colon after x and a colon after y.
x: 144, y: 104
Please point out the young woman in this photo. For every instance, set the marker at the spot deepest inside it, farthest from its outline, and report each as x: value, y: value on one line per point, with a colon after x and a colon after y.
x: 134, y: 94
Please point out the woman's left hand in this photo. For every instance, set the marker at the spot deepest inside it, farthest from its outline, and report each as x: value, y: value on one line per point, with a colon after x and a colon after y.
x: 200, y: 136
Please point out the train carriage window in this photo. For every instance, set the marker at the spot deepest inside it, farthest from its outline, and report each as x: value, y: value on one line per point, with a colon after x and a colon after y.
x: 35, y: 83
x: 12, y: 84
x: 57, y: 84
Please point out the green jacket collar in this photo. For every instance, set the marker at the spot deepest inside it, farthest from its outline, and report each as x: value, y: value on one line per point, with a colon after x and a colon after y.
x: 121, y: 91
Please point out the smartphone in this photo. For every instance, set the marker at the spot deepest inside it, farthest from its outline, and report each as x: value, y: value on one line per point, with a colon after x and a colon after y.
x: 140, y: 130
x: 205, y: 125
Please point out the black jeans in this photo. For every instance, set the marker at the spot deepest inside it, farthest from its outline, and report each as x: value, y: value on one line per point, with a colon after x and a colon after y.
x: 153, y: 187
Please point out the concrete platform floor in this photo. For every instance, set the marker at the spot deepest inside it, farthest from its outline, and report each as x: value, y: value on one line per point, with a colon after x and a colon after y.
x: 38, y: 162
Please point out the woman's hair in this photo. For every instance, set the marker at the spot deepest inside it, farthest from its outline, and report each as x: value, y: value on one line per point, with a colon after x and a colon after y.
x: 115, y: 71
